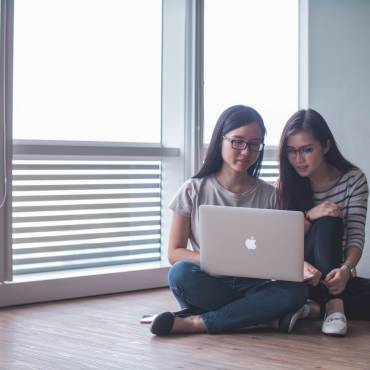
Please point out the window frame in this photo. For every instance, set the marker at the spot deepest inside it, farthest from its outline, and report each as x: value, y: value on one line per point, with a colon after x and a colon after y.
x: 6, y: 82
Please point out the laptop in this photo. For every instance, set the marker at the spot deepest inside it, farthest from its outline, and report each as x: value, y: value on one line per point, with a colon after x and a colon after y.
x: 252, y: 242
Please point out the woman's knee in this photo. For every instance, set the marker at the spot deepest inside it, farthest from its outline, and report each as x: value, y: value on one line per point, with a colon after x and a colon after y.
x: 329, y: 223
x: 326, y: 243
x: 180, y: 273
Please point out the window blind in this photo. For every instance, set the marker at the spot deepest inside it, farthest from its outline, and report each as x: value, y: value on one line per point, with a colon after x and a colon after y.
x: 270, y: 171
x: 72, y: 214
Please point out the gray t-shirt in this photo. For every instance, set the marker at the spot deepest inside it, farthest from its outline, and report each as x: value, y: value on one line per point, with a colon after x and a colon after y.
x: 207, y: 190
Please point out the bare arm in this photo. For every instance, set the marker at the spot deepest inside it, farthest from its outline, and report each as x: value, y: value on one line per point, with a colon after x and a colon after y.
x: 353, y: 255
x: 178, y: 240
x: 323, y: 209
x: 337, y: 279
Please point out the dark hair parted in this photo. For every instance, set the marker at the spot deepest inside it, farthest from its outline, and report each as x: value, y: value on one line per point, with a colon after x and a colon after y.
x: 231, y: 119
x: 295, y: 192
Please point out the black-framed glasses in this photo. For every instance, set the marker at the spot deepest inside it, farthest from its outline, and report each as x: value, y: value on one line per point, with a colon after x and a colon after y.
x: 240, y: 144
x: 304, y: 152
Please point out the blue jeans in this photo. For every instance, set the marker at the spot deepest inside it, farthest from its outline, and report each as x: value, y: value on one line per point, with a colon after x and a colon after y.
x: 231, y: 303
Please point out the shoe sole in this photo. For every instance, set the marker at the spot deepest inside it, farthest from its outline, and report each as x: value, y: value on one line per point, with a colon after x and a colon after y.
x: 294, y: 319
x: 335, y: 335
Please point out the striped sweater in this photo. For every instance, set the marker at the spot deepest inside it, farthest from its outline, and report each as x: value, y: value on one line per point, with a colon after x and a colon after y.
x: 351, y: 192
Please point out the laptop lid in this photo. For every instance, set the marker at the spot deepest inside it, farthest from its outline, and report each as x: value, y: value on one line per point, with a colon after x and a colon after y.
x: 252, y: 242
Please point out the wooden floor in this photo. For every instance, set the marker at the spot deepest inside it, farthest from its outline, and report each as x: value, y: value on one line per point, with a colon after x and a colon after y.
x: 104, y: 333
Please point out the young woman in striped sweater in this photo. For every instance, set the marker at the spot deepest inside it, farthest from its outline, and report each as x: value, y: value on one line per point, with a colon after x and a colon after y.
x: 332, y: 192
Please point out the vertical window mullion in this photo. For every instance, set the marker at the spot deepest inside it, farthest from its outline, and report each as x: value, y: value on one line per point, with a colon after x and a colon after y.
x: 6, y: 63
x: 194, y: 107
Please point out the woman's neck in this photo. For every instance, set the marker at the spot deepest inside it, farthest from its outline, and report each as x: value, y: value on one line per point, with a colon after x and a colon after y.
x: 236, y: 182
x: 324, y: 177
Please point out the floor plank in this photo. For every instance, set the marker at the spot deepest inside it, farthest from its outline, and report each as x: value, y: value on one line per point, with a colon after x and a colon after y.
x: 104, y: 333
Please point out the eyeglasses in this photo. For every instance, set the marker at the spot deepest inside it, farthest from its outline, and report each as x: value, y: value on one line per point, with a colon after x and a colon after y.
x: 239, y: 144
x: 303, y: 152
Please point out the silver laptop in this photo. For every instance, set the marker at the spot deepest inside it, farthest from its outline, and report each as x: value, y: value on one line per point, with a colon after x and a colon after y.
x: 252, y: 242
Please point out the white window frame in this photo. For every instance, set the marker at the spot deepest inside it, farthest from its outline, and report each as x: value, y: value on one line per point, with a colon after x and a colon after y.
x: 6, y: 75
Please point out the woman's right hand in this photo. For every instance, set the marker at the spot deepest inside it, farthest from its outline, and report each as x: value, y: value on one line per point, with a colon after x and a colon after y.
x: 324, y: 209
x: 311, y: 274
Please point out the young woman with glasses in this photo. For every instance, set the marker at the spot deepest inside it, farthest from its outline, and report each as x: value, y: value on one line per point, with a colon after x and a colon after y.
x: 332, y: 192
x: 228, y: 177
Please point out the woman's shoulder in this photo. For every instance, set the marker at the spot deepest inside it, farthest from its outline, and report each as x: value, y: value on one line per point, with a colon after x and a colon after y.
x: 196, y: 182
x: 186, y: 196
x: 354, y: 181
x: 354, y: 176
x: 193, y: 185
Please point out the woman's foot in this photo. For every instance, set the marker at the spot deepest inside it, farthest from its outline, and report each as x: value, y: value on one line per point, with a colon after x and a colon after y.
x: 334, y: 305
x: 167, y: 323
x: 162, y: 323
x: 190, y: 324
x: 335, y: 322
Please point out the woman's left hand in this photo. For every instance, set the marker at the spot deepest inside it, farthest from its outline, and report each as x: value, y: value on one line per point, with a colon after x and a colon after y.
x: 336, y: 280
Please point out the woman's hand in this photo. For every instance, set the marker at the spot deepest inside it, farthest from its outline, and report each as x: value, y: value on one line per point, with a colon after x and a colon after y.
x: 337, y: 279
x: 311, y: 274
x: 324, y: 209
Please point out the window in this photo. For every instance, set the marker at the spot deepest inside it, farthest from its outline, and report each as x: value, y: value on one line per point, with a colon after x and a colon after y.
x: 251, y: 58
x: 77, y: 82
x: 99, y: 99
x: 87, y: 70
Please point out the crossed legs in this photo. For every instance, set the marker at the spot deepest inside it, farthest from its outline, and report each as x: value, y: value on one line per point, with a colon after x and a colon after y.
x: 229, y: 303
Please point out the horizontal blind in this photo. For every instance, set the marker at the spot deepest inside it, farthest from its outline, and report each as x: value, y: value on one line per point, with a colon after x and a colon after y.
x: 270, y: 171
x: 72, y: 214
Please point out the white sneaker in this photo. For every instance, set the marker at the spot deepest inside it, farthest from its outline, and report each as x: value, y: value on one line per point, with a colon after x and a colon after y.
x: 335, y: 324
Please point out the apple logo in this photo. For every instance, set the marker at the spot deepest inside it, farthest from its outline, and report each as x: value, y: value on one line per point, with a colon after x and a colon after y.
x: 250, y: 243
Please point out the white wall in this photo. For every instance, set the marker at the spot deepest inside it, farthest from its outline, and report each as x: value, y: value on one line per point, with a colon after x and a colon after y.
x: 339, y: 80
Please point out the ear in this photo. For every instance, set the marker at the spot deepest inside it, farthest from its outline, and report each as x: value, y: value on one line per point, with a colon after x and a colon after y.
x: 327, y: 146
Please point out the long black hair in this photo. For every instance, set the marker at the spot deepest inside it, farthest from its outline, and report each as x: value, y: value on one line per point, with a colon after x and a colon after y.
x: 295, y: 192
x: 231, y: 119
